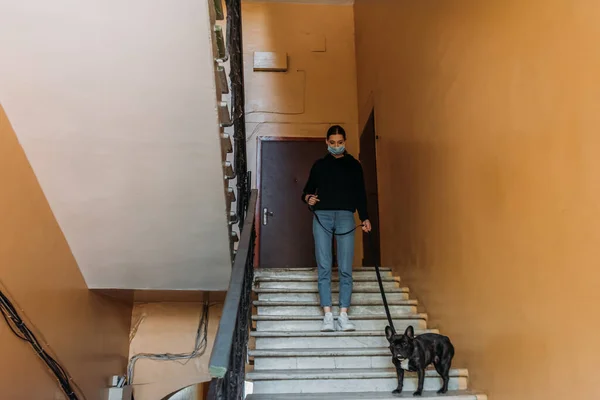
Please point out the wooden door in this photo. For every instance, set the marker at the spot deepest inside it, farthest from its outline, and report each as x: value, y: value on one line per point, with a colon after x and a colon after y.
x: 285, y: 225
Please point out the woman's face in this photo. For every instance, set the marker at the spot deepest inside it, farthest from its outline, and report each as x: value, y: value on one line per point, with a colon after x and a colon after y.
x: 335, y: 141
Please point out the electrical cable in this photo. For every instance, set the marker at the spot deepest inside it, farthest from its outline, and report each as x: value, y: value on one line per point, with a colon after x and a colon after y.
x: 200, y: 345
x: 20, y: 329
x: 283, y: 112
x: 261, y: 123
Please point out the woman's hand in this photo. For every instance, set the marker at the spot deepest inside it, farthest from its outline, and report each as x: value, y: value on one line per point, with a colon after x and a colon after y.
x: 311, y: 199
x: 366, y: 225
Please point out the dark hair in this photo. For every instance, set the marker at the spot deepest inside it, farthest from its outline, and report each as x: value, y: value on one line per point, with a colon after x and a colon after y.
x: 336, y: 130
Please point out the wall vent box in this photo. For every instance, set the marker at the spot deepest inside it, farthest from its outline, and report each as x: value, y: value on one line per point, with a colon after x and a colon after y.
x: 270, y: 61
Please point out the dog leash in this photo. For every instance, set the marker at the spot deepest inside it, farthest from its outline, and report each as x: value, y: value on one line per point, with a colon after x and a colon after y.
x: 385, y: 303
x: 379, y: 281
x: 332, y: 231
x: 312, y: 210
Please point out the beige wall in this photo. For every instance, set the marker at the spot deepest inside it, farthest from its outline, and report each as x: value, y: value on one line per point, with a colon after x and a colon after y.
x: 489, y: 173
x: 319, y: 88
x: 114, y: 106
x: 170, y: 327
x: 87, y: 332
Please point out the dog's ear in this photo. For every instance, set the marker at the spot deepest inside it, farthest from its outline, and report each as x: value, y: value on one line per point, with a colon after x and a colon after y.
x: 410, y: 332
x: 389, y: 333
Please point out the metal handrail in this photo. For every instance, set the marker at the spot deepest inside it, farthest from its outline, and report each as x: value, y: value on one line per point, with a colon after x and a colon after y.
x: 238, y: 115
x: 219, y: 363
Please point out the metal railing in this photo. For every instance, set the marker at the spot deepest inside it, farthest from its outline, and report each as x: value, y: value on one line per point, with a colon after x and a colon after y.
x: 236, y: 75
x: 228, y: 358
x: 227, y: 363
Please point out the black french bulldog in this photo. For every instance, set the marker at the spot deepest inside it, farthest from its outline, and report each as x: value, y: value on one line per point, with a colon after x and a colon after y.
x: 416, y: 353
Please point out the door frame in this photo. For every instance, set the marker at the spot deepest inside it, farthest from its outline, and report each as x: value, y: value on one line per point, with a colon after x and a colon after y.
x: 377, y: 175
x: 258, y: 214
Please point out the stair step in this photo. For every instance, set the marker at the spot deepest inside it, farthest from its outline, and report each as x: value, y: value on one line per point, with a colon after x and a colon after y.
x: 356, y: 277
x: 376, y: 302
x: 334, y: 289
x: 358, y: 357
x: 357, y: 298
x: 266, y: 271
x: 347, y: 380
x: 311, y: 285
x: 315, y: 339
x: 315, y: 334
x: 313, y: 307
x: 304, y: 352
x: 313, y: 322
x: 451, y: 395
x: 293, y: 360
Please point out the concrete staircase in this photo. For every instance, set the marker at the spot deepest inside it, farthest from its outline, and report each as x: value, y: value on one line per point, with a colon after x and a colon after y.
x: 293, y: 360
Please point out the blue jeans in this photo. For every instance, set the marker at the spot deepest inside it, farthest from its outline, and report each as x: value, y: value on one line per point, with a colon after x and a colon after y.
x: 341, y: 221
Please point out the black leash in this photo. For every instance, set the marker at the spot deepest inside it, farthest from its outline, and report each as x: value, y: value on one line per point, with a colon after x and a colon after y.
x: 385, y: 303
x: 333, y: 231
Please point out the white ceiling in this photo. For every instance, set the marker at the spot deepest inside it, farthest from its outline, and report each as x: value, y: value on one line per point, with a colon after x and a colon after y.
x: 114, y: 104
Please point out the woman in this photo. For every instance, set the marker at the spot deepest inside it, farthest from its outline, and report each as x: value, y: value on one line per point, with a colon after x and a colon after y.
x: 336, y: 189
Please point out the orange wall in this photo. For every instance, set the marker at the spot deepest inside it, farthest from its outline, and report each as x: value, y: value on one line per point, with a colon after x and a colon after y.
x: 170, y: 327
x: 488, y: 113
x: 319, y: 88
x: 87, y: 332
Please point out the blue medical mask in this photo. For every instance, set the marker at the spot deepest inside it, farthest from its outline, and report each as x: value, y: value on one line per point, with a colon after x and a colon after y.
x: 336, y: 151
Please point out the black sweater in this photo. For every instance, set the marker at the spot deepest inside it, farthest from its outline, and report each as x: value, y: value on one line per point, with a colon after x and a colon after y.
x: 339, y: 183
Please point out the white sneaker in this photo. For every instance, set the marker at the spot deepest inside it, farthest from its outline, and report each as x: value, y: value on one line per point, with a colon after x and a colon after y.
x: 328, y: 323
x: 344, y: 323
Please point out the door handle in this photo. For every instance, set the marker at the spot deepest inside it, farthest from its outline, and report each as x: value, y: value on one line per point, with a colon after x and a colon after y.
x: 266, y: 215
